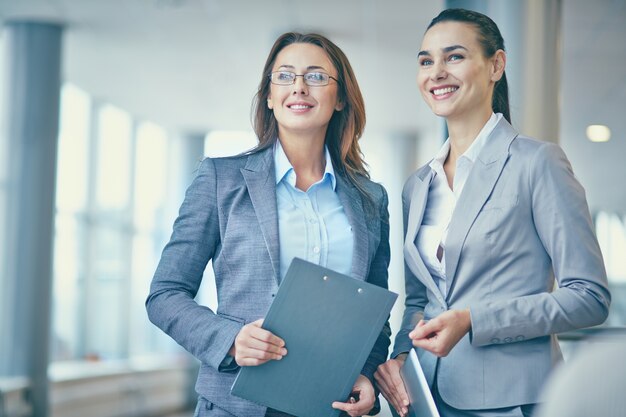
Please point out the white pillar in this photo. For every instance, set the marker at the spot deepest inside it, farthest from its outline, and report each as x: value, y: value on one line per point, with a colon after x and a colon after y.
x: 541, y: 69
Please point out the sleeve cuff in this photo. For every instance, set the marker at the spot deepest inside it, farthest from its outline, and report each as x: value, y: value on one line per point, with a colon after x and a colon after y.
x: 228, y: 365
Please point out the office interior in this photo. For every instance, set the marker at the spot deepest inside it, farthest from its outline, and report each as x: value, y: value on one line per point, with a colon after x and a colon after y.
x: 108, y: 106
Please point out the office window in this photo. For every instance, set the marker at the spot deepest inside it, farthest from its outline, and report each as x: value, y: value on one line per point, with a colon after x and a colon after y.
x: 611, y: 232
x: 70, y: 222
x: 113, y: 159
x: 150, y: 194
x: 228, y: 142
x: 109, y: 231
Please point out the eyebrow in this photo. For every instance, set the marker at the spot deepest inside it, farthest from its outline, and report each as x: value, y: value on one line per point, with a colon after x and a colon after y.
x: 445, y: 50
x: 310, y: 67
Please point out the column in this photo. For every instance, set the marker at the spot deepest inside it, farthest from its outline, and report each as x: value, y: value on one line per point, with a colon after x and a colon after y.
x: 542, y: 69
x: 186, y: 153
x: 31, y: 103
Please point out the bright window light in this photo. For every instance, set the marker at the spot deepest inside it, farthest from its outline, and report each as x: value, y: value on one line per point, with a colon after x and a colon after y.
x: 228, y: 142
x: 598, y: 133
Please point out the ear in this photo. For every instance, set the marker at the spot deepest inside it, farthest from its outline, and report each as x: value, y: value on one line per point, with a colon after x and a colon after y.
x: 270, y: 104
x: 499, y: 64
x: 339, y: 106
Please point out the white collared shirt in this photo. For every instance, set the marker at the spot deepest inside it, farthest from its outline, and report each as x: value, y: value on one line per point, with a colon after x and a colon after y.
x: 442, y: 200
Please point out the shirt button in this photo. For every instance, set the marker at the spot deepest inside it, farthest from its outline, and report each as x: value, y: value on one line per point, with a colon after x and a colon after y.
x: 312, y: 221
x: 519, y: 338
x: 508, y: 340
x: 495, y: 340
x: 316, y: 249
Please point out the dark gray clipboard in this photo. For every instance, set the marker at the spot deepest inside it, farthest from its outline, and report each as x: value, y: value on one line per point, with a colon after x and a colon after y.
x: 329, y: 322
x: 420, y: 397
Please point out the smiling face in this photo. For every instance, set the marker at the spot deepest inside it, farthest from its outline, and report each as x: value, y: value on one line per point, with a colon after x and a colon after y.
x: 300, y: 108
x: 455, y: 78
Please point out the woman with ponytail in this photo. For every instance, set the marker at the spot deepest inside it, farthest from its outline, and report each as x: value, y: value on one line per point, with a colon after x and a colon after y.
x: 490, y: 223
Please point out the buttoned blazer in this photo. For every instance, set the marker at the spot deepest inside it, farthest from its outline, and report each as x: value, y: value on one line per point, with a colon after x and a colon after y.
x: 521, y: 221
x: 229, y: 216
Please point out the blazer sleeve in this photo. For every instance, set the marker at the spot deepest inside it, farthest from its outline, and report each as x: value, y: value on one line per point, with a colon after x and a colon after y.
x: 563, y: 223
x: 194, y: 241
x: 378, y: 275
x: 416, y: 296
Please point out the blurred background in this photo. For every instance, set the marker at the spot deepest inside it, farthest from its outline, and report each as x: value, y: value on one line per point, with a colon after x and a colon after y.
x: 107, y: 107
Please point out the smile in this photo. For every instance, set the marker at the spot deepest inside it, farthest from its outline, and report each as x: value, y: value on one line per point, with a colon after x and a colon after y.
x: 299, y: 106
x: 445, y: 90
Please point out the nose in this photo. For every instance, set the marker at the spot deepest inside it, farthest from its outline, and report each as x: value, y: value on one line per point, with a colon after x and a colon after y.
x: 299, y: 86
x: 438, y: 71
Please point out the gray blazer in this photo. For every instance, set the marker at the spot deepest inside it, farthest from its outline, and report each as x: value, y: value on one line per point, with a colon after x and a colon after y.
x: 229, y: 216
x: 521, y: 220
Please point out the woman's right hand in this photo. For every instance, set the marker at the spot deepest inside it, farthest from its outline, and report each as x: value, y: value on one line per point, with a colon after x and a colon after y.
x: 391, y: 386
x: 254, y: 345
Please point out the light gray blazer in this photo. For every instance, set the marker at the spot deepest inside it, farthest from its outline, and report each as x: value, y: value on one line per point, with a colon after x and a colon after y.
x: 229, y: 216
x: 521, y: 220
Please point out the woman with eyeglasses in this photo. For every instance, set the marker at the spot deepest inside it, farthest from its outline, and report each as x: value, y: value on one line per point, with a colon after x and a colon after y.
x: 490, y: 223
x: 302, y: 192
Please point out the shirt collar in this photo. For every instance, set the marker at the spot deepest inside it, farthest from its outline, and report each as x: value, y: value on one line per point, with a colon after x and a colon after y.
x: 440, y: 157
x: 283, y: 167
x: 474, y: 150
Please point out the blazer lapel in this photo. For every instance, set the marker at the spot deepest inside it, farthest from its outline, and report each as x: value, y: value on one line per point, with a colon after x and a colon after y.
x: 260, y: 180
x: 416, y: 213
x: 480, y: 183
x: 353, y: 206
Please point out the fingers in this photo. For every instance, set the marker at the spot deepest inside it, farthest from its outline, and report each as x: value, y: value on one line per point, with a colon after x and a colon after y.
x: 431, y: 336
x: 254, y: 345
x: 425, y: 329
x: 435, y: 345
x: 362, y: 401
x: 390, y: 383
x: 263, y: 335
x: 441, y: 334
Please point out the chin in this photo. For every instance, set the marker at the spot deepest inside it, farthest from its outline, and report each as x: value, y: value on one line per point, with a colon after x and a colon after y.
x: 441, y: 112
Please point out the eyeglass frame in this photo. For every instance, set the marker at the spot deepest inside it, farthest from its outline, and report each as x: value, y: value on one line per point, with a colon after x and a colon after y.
x: 330, y: 77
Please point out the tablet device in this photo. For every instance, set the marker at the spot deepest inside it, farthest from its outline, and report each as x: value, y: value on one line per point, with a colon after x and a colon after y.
x: 422, y: 403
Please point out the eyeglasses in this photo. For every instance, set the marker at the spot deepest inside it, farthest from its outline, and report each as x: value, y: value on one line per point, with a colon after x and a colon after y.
x: 312, y: 79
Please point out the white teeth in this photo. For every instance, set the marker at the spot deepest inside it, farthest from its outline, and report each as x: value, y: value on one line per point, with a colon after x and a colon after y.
x: 441, y: 91
x: 299, y: 106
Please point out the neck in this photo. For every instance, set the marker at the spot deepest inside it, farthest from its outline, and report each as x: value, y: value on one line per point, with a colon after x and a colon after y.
x: 464, y: 130
x: 307, y: 158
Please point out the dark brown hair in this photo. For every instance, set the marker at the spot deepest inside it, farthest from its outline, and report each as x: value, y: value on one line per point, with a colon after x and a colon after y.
x: 491, y: 40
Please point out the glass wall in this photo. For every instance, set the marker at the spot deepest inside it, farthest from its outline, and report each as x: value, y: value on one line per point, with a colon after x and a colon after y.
x: 109, y: 231
x: 112, y: 223
x: 611, y: 232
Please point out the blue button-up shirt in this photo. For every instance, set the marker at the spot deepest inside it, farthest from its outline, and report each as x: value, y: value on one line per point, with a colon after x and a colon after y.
x: 312, y: 225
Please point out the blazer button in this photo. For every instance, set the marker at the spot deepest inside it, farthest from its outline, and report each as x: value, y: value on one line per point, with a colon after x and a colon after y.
x: 495, y: 340
x: 519, y: 338
x: 508, y: 339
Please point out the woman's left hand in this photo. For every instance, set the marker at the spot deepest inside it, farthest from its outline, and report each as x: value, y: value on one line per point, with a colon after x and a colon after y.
x: 441, y: 334
x: 366, y: 398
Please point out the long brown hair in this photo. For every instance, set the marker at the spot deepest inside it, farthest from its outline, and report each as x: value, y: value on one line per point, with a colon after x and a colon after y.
x: 345, y: 127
